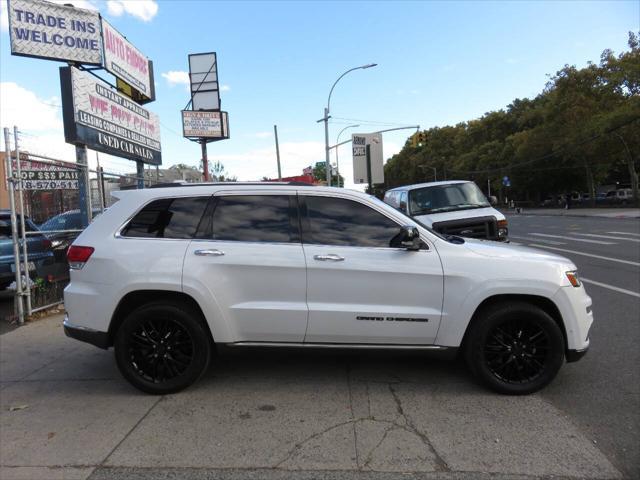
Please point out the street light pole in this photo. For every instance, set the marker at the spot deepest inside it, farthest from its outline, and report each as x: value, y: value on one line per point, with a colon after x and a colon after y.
x: 326, y: 117
x: 338, y: 148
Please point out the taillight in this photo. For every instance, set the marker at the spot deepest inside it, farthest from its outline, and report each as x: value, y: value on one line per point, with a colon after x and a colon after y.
x: 46, y: 243
x: 77, y: 256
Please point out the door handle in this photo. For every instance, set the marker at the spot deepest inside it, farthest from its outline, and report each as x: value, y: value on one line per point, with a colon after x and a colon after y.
x: 332, y: 257
x: 209, y: 253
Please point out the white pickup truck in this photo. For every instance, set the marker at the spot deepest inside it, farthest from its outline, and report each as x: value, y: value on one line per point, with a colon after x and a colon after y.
x: 454, y: 207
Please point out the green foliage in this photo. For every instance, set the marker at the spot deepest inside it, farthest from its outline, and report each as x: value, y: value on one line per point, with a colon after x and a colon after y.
x: 581, y: 131
x: 320, y: 174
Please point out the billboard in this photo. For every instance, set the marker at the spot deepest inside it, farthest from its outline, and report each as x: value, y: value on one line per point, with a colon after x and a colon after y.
x: 128, y: 64
x: 203, y: 72
x: 359, y: 146
x: 214, y: 125
x: 53, y: 31
x: 100, y: 118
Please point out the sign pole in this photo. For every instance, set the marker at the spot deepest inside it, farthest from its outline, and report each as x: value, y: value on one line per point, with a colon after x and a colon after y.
x: 83, y: 182
x: 140, y: 174
x: 205, y: 160
x: 369, y: 179
x: 14, y: 227
x: 25, y: 257
x: 275, y: 130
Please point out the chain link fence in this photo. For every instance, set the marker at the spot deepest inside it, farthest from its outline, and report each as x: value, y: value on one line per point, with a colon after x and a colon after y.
x: 40, y: 217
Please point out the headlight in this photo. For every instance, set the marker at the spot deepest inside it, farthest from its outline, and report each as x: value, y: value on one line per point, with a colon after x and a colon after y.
x: 503, y: 231
x: 573, y: 278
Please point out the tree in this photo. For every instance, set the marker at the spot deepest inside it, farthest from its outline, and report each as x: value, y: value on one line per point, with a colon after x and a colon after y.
x: 217, y: 173
x: 320, y: 175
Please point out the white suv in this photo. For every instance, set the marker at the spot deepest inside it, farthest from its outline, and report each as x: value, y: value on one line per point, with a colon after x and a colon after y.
x: 167, y: 274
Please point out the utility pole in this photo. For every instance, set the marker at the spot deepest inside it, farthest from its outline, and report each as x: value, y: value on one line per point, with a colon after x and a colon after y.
x: 275, y: 131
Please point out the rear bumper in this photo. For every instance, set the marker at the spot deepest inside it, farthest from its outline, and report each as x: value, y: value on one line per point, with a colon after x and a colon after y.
x: 94, y: 337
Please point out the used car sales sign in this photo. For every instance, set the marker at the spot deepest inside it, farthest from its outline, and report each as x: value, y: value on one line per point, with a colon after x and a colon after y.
x: 52, y: 31
x: 100, y: 118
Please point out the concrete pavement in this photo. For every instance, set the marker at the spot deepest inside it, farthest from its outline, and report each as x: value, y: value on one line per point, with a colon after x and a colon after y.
x: 65, y: 412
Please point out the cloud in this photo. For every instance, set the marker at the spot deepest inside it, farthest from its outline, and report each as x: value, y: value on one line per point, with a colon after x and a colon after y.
x: 176, y: 77
x: 4, y: 18
x: 144, y: 10
x: 262, y: 135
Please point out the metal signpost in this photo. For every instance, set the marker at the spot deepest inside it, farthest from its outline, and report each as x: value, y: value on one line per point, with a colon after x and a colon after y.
x: 205, y: 122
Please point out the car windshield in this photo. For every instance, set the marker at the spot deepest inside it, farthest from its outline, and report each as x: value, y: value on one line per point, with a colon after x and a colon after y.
x: 446, y: 198
x: 410, y: 220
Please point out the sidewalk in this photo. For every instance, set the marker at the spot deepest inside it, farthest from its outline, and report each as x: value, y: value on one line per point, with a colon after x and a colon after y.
x: 579, y: 212
x: 65, y: 412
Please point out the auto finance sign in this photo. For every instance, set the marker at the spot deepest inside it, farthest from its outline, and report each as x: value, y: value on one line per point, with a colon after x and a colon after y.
x: 59, y: 179
x: 100, y: 118
x: 53, y: 31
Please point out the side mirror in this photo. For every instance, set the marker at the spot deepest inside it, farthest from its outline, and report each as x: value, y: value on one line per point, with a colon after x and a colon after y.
x: 493, y: 200
x: 408, y: 237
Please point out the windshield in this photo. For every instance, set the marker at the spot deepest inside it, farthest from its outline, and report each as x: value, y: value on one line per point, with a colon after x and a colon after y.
x: 409, y: 219
x: 446, y: 198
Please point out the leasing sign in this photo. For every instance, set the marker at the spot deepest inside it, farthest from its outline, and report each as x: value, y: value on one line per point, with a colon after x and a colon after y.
x: 53, y: 31
x: 100, y: 118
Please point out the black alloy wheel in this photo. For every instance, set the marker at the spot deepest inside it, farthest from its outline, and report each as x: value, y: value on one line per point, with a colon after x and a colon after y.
x: 517, y: 351
x: 514, y: 348
x: 163, y: 347
x: 160, y: 349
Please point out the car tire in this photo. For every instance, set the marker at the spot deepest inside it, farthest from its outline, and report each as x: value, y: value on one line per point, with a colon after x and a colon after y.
x: 514, y: 348
x: 162, y: 347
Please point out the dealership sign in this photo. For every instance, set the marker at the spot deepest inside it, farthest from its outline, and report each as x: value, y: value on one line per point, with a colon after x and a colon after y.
x: 53, y: 31
x: 100, y: 118
x: 128, y: 64
x: 59, y: 179
x: 213, y: 125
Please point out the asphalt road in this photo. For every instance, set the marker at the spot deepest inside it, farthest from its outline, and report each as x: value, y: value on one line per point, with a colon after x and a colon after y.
x: 600, y: 393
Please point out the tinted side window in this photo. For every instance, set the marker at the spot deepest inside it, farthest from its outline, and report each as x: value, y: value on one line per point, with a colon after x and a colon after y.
x: 167, y: 218
x: 336, y: 221
x: 253, y: 218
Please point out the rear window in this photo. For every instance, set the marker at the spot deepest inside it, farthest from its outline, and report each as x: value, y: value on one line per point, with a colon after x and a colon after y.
x: 167, y: 218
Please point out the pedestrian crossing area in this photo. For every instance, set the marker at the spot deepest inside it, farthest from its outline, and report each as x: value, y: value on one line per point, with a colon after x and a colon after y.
x: 606, y: 238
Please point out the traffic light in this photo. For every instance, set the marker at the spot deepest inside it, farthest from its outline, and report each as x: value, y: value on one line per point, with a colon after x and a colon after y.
x: 418, y: 139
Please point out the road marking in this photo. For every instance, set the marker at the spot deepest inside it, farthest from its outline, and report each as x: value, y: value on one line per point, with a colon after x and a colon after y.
x: 551, y: 242
x: 609, y: 237
x: 626, y: 233
x: 600, y: 242
x: 611, y: 287
x: 628, y: 262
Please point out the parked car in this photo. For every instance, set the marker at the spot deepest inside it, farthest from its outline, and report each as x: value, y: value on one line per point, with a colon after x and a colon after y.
x: 70, y: 221
x: 167, y: 275
x: 39, y: 253
x: 621, y: 196
x: 455, y: 207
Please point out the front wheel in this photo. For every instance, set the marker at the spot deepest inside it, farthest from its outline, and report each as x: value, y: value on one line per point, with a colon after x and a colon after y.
x: 515, y: 348
x: 162, y: 347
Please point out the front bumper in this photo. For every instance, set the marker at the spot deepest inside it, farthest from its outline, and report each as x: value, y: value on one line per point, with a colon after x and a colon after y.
x: 575, y: 355
x: 84, y: 334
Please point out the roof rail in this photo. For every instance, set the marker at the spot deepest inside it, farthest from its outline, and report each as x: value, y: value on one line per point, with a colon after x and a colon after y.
x: 203, y: 184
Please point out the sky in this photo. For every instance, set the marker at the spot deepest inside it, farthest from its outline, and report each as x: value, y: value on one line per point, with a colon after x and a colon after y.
x: 439, y: 63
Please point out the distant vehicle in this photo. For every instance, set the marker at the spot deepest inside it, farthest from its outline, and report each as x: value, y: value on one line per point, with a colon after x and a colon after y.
x: 455, y: 207
x: 39, y: 253
x: 586, y: 197
x: 60, y: 241
x: 622, y: 196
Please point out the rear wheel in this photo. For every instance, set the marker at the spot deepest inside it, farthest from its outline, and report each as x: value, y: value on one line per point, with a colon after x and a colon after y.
x: 162, y: 347
x: 515, y: 348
